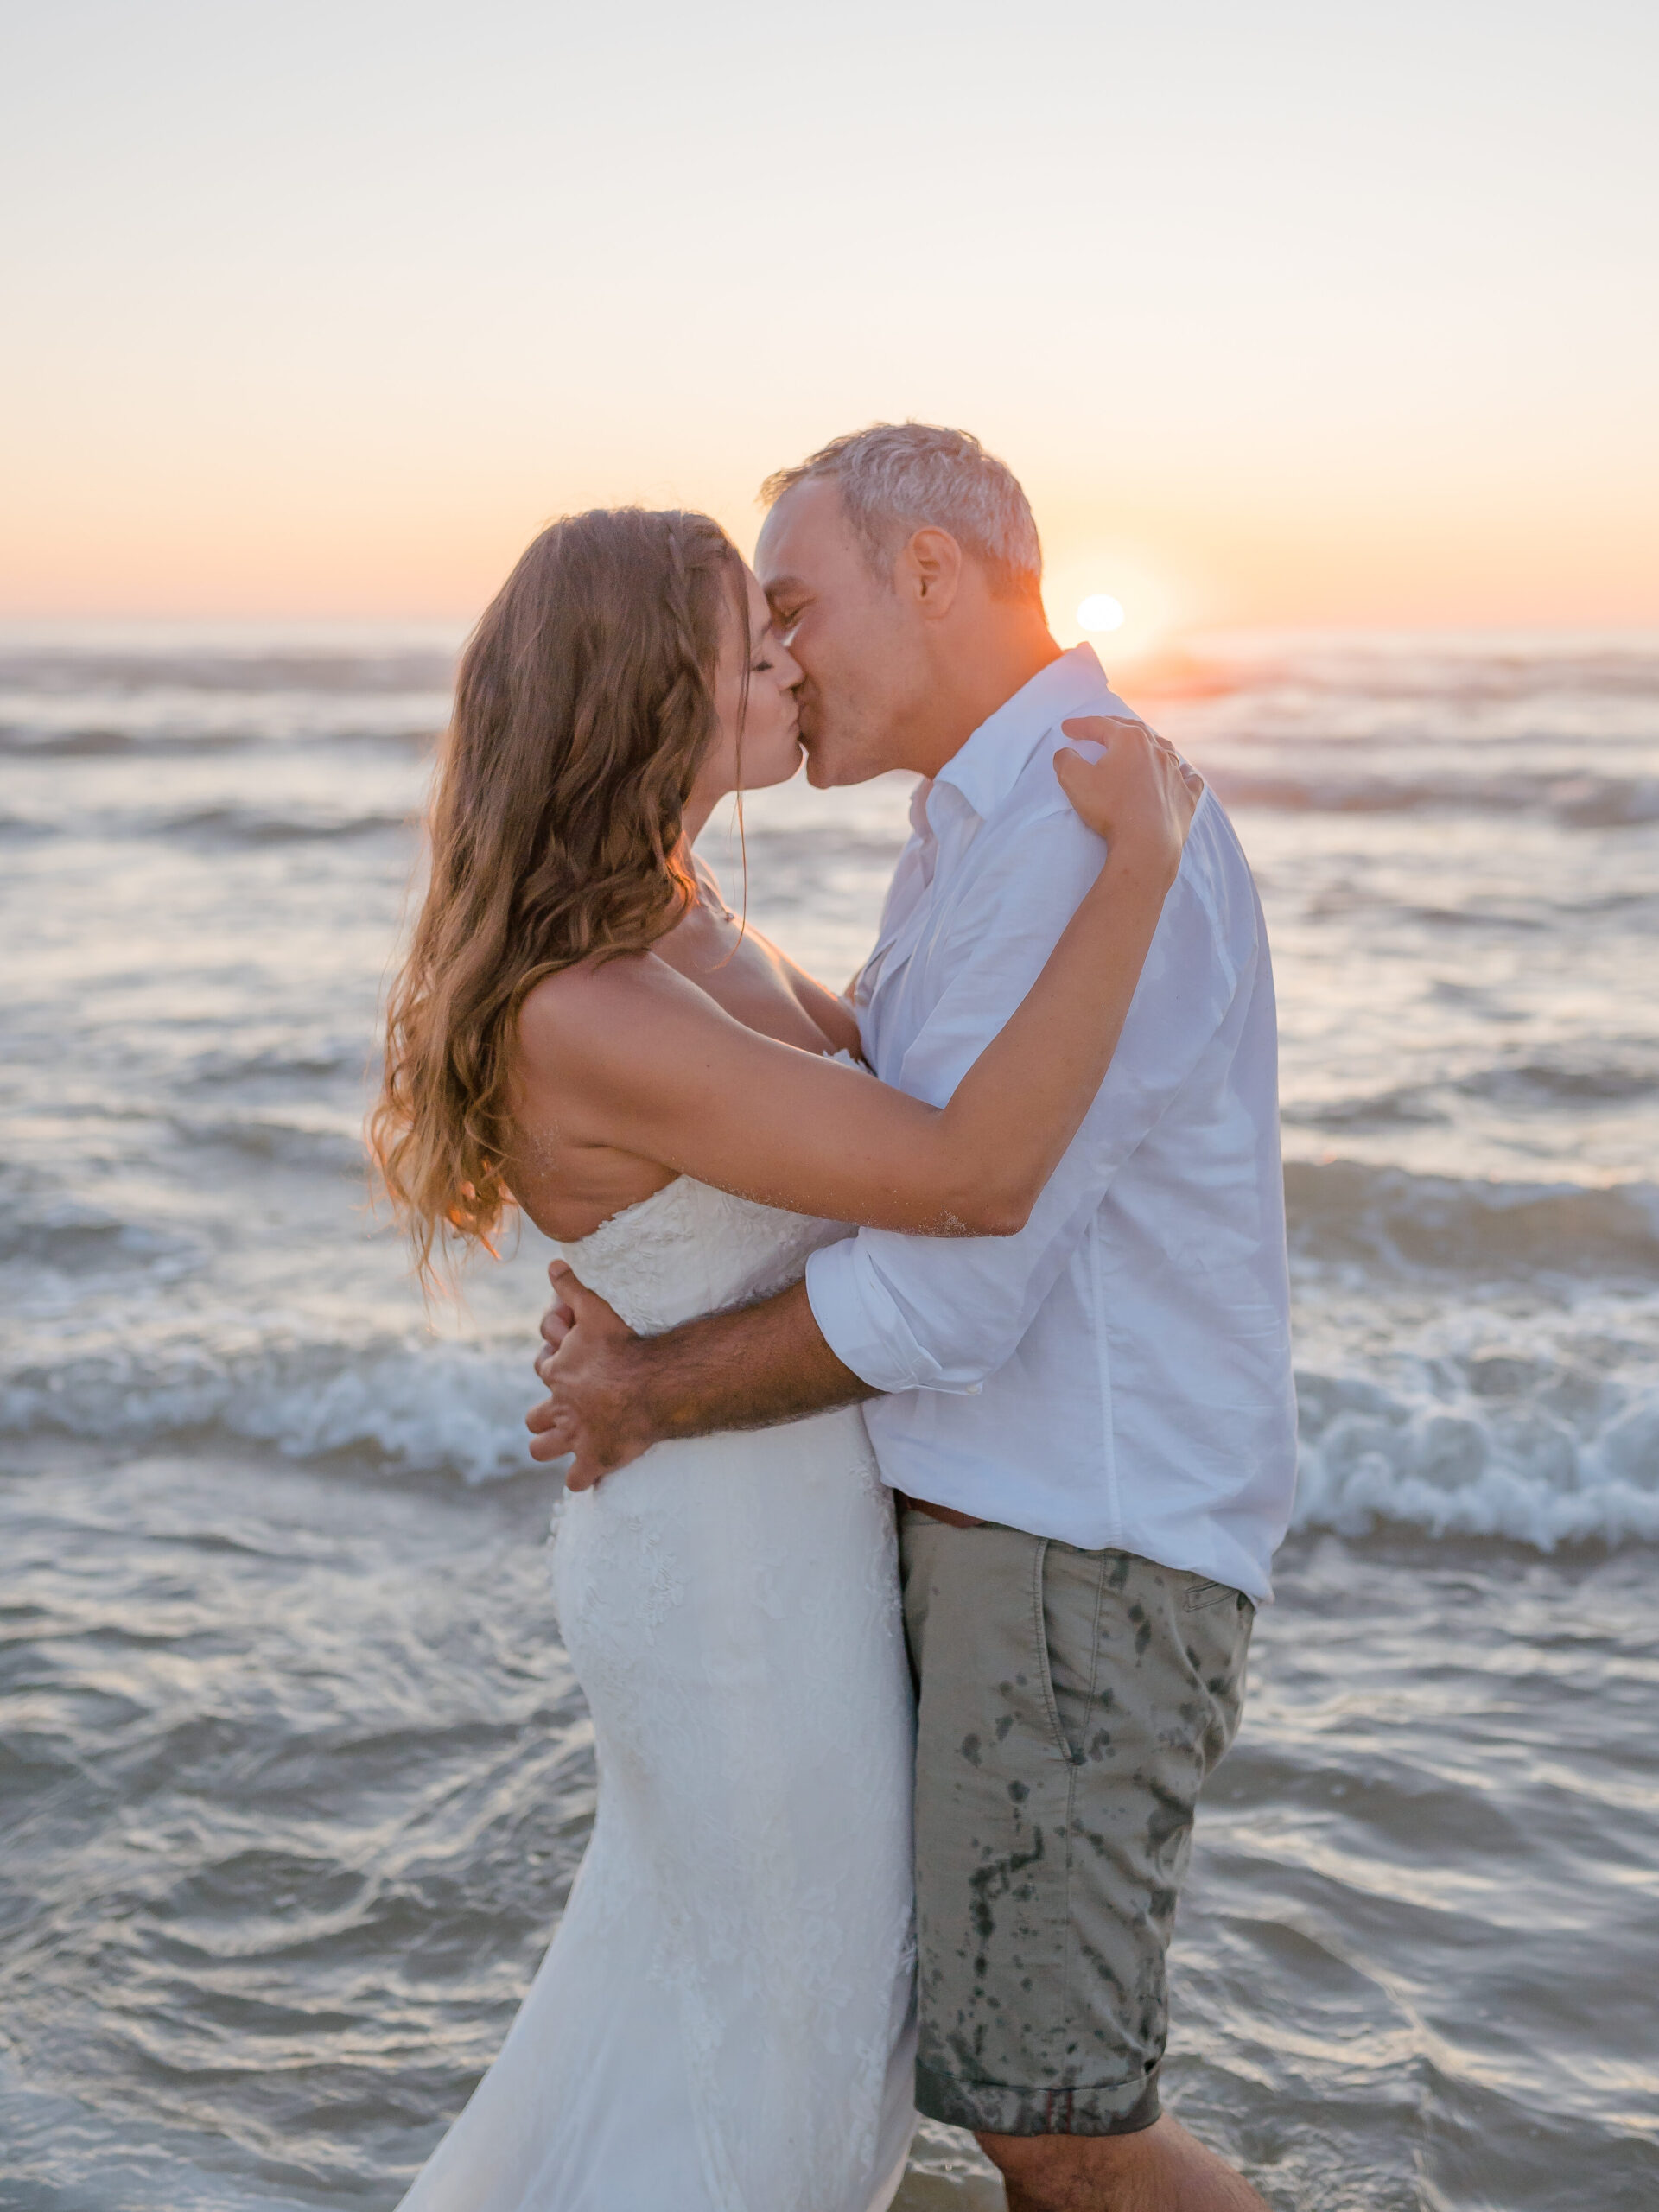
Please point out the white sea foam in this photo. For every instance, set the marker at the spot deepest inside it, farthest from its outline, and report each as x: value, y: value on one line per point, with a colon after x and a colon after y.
x: 1542, y: 1433
x: 1461, y: 1469
x: 430, y: 1407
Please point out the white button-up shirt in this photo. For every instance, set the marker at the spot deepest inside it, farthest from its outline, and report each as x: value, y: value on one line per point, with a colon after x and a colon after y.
x: 1118, y: 1374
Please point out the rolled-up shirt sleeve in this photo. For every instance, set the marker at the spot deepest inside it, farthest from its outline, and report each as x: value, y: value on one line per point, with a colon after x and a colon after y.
x: 943, y: 1313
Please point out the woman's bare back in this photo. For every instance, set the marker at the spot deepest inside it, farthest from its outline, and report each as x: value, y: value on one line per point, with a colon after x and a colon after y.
x: 569, y: 1183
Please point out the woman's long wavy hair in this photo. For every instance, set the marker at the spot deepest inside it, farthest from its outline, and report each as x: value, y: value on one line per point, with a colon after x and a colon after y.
x: 584, y: 706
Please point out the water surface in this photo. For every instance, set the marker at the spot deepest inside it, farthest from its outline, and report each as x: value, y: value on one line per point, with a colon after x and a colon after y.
x: 292, y: 1774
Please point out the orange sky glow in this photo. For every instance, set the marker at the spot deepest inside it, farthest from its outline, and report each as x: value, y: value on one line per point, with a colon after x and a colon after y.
x: 1284, y: 315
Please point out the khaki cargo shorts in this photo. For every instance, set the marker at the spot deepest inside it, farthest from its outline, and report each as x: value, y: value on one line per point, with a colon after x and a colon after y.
x: 1072, y: 1704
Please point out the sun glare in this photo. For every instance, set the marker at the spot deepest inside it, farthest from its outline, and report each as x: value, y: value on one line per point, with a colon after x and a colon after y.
x: 1125, y: 623
x: 1100, y: 612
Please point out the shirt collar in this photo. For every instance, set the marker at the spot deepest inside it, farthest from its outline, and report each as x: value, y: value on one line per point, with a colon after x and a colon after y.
x: 986, y: 768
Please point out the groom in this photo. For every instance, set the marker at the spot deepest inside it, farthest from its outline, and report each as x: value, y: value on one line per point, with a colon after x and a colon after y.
x: 1090, y: 1422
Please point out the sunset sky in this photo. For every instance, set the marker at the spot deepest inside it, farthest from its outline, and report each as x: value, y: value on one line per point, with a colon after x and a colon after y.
x: 1334, y: 314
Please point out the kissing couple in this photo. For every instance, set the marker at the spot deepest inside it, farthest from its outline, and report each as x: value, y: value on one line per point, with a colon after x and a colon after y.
x: 921, y: 1355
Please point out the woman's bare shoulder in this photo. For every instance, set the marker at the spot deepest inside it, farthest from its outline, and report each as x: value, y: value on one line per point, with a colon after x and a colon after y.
x: 602, y: 1015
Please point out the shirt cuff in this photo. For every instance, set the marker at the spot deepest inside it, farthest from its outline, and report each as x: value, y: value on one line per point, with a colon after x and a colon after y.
x: 862, y: 1325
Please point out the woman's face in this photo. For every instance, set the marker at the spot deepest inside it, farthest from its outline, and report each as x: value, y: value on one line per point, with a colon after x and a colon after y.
x: 767, y: 748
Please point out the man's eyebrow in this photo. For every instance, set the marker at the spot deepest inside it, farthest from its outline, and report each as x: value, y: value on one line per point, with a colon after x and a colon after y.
x: 787, y: 587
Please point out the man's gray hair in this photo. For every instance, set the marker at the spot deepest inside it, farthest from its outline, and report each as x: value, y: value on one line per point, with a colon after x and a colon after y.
x: 897, y: 477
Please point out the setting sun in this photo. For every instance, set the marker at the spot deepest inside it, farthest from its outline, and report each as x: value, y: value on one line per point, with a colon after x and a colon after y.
x: 1100, y: 612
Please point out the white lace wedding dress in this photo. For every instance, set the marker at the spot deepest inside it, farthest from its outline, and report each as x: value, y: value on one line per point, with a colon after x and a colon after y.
x: 722, y: 2022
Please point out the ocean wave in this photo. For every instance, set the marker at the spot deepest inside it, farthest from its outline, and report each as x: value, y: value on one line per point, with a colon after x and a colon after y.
x: 57, y: 671
x: 1468, y: 672
x: 406, y: 732
x: 1547, y: 1083
x: 1539, y: 1446
x: 273, y: 1140
x: 430, y: 1409
x: 1345, y: 1211
x: 217, y: 827
x: 301, y: 1060
x: 1411, y: 1106
x: 29, y: 741
x: 214, y: 829
x: 1563, y: 1082
x: 1534, y: 1449
x: 51, y: 1231
x: 1575, y: 802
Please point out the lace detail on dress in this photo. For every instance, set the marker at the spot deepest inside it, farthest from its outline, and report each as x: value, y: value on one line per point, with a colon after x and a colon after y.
x: 722, y: 2022
x: 689, y: 1249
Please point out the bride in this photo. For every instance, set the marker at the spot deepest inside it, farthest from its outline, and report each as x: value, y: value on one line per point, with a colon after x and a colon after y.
x: 583, y: 1029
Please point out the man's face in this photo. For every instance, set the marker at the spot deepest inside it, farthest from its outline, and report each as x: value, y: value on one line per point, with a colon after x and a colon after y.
x: 859, y: 648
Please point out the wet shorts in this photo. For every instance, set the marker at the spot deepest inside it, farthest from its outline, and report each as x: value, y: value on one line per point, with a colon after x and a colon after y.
x: 1072, y: 1704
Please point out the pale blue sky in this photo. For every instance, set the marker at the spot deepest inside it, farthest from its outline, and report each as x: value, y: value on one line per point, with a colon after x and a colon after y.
x: 1286, y: 310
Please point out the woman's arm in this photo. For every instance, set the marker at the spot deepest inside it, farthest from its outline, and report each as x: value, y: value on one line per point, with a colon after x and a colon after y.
x: 631, y: 1055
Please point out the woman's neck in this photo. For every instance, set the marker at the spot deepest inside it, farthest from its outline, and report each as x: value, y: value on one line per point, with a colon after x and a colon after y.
x: 694, y: 817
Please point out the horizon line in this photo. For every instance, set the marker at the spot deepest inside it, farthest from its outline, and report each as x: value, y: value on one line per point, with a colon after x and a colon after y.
x: 16, y: 628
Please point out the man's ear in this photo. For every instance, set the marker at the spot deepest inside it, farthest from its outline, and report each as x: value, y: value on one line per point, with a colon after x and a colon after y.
x: 928, y: 571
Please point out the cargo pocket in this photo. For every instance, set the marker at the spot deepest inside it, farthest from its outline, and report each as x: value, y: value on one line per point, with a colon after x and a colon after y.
x: 1070, y: 1588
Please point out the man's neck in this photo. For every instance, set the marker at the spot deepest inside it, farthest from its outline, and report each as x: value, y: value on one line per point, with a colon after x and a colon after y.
x: 981, y: 674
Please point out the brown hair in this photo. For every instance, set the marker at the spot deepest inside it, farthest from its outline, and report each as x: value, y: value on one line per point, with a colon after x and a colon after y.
x: 583, y: 708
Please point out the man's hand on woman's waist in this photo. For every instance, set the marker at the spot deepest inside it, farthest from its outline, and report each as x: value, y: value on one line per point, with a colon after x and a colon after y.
x: 611, y: 1395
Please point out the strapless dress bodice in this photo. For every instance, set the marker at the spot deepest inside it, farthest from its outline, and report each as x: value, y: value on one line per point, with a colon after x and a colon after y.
x: 689, y: 1249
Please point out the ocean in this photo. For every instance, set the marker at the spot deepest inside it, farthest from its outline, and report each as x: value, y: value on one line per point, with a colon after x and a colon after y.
x: 294, y: 1777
